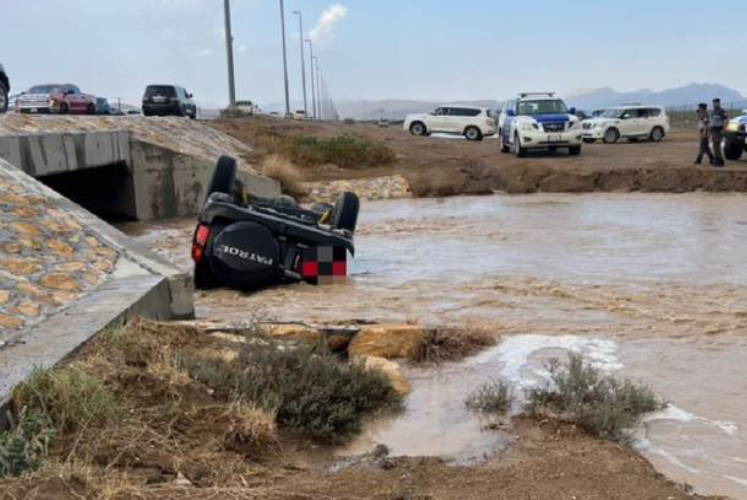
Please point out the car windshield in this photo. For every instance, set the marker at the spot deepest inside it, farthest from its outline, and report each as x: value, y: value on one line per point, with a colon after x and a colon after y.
x: 45, y: 89
x: 160, y: 90
x: 613, y: 113
x: 541, y: 107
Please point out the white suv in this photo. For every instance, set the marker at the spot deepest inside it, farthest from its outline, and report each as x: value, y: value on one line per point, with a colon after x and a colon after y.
x: 632, y: 122
x: 539, y: 121
x: 473, y: 123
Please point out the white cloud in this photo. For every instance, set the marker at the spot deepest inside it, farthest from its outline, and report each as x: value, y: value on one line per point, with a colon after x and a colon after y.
x: 324, y: 31
x: 205, y: 52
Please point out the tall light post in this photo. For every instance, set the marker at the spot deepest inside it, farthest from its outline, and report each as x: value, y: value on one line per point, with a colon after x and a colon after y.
x: 285, y: 60
x: 229, y: 55
x: 315, y: 81
x: 320, y: 90
x: 303, y: 62
x: 313, y: 84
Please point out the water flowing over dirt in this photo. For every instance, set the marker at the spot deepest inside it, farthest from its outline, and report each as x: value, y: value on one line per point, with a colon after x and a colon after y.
x: 648, y: 286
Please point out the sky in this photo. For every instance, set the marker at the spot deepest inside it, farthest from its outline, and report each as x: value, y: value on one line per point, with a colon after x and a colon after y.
x: 438, y: 50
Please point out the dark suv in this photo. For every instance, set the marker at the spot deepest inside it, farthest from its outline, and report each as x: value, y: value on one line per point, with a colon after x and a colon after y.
x: 4, y: 90
x: 168, y: 100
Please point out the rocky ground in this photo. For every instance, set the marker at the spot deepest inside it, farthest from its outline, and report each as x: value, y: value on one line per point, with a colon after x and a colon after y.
x: 442, y: 167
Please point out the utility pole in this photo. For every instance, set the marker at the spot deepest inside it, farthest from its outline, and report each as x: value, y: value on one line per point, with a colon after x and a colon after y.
x: 320, y: 90
x: 285, y: 60
x: 229, y: 55
x: 313, y: 84
x: 303, y: 63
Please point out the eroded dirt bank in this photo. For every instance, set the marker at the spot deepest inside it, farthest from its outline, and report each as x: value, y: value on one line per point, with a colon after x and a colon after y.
x: 445, y: 167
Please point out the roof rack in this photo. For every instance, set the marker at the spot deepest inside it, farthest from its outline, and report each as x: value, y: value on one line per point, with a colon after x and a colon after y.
x: 522, y: 95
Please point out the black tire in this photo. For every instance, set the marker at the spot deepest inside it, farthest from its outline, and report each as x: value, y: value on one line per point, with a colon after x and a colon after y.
x: 3, y: 98
x: 574, y: 150
x: 657, y: 134
x: 418, y: 129
x: 520, y: 152
x: 473, y: 134
x: 91, y: 109
x: 504, y: 148
x: 611, y: 136
x: 64, y: 109
x: 733, y: 151
x: 345, y: 213
x: 224, y: 177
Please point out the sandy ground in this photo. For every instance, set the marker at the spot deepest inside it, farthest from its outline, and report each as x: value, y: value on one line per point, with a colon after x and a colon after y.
x: 438, y: 166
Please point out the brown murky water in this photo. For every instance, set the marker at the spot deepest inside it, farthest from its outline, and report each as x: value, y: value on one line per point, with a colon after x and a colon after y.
x: 651, y: 286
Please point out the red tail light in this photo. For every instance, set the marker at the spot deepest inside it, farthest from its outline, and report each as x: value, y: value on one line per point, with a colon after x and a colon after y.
x: 202, y: 234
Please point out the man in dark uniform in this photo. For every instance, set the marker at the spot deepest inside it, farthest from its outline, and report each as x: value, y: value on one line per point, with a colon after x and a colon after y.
x: 719, y: 120
x: 704, y: 129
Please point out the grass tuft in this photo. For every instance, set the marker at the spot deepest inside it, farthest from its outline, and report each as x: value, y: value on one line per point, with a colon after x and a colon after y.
x: 603, y: 406
x: 491, y: 398
x: 26, y: 444
x: 345, y: 151
x: 441, y: 345
x: 286, y: 173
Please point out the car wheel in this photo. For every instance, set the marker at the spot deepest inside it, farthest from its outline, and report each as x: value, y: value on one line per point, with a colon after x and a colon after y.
x: 91, y: 109
x: 345, y: 212
x: 3, y: 98
x: 611, y: 136
x: 224, y: 177
x: 64, y: 109
x: 504, y: 147
x: 520, y: 151
x: 733, y: 151
x: 657, y: 134
x: 574, y: 150
x: 418, y: 129
x: 473, y: 134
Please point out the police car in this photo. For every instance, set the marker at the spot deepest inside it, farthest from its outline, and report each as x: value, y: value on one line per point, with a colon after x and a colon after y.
x: 539, y: 121
x: 736, y: 137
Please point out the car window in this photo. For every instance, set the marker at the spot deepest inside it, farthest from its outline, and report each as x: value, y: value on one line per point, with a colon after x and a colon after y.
x: 654, y: 112
x: 540, y: 107
x: 643, y: 113
x: 160, y: 90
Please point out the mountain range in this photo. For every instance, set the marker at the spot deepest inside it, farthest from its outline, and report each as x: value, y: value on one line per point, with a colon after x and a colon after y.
x: 689, y: 95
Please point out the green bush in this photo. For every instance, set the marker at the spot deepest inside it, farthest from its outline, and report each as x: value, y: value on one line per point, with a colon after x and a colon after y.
x: 603, y: 406
x: 68, y: 398
x: 491, y: 398
x: 344, y: 151
x: 306, y: 386
x: 22, y: 447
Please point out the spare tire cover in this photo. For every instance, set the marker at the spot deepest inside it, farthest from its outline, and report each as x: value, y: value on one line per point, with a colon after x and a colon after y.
x: 246, y: 255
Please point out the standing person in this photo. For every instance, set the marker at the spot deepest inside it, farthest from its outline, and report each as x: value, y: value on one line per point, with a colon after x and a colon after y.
x: 719, y: 120
x: 704, y: 129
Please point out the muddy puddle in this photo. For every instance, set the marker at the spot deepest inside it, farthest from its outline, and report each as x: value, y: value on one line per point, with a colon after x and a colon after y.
x: 650, y: 286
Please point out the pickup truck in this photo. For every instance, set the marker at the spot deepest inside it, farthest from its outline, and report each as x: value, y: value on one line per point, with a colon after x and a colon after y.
x: 57, y: 99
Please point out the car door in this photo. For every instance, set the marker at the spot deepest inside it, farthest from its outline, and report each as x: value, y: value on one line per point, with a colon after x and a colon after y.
x: 629, y: 123
x: 457, y: 122
x: 440, y: 120
x: 74, y: 99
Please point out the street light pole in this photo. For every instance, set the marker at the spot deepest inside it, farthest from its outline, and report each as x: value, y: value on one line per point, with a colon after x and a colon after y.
x: 303, y: 63
x: 229, y: 55
x: 285, y: 59
x: 320, y: 90
x: 313, y: 84
x: 315, y: 81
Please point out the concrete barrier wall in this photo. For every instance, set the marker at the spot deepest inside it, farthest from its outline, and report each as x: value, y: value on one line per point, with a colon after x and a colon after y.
x: 163, y: 183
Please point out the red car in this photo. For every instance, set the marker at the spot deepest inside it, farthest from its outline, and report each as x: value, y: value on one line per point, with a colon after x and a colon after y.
x: 56, y: 98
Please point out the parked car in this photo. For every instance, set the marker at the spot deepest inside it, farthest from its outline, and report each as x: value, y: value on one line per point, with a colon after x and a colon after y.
x: 736, y: 137
x: 4, y: 90
x: 247, y: 107
x: 168, y: 100
x: 471, y: 122
x: 102, y: 106
x: 538, y: 121
x: 632, y: 122
x: 58, y: 98
x: 598, y: 112
x: 245, y: 242
x: 299, y: 115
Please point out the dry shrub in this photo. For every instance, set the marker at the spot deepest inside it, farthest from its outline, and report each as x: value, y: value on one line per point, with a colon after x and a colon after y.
x: 603, y: 406
x: 286, y: 173
x: 247, y: 425
x: 452, y: 344
x: 491, y: 398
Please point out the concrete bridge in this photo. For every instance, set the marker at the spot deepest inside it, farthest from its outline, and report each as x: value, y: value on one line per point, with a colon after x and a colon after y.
x: 114, y: 174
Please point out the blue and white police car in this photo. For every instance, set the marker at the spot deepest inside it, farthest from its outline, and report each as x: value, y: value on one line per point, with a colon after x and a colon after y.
x: 736, y: 137
x: 539, y: 121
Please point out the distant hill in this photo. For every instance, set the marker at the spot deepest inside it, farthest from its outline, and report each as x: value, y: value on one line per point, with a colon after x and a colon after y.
x: 688, y: 95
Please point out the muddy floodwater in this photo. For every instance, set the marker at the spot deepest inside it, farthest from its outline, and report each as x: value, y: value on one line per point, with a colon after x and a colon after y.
x: 649, y: 286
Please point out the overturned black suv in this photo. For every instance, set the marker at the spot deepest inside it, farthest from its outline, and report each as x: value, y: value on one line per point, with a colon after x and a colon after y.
x: 245, y: 242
